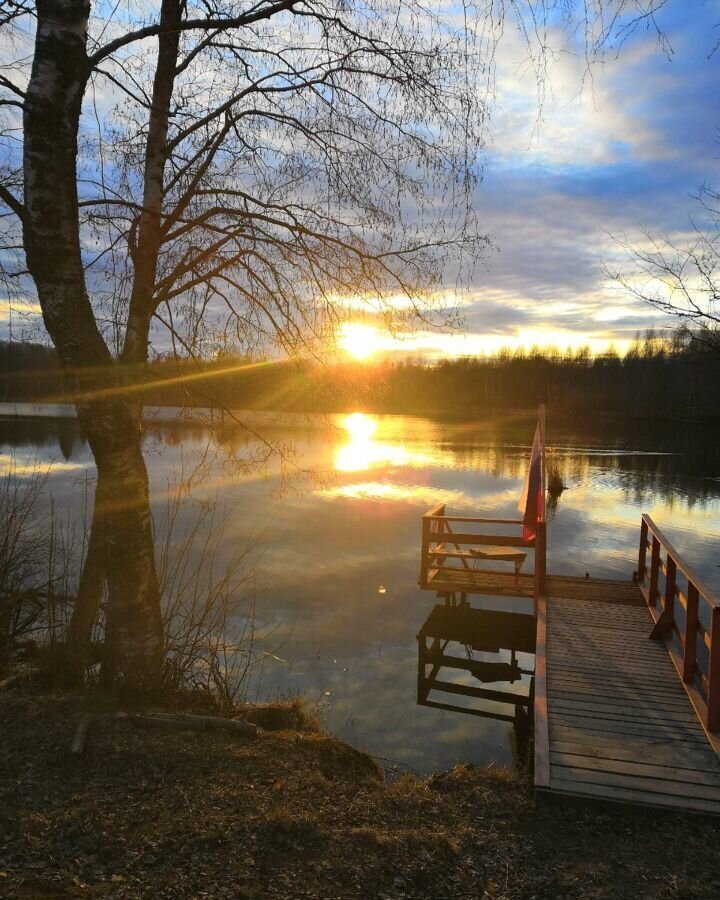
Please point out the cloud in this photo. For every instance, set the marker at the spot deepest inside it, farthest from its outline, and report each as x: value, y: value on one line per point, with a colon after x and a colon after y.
x: 613, y: 152
x: 625, y: 154
x: 575, y: 117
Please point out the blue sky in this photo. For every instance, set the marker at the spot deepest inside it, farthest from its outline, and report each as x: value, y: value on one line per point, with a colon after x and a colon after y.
x: 624, y: 153
x: 611, y: 153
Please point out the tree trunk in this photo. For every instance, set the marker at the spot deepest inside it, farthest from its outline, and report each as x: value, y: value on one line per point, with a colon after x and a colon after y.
x: 145, y: 252
x: 133, y: 638
x: 52, y: 244
x: 121, y: 552
x: 87, y: 601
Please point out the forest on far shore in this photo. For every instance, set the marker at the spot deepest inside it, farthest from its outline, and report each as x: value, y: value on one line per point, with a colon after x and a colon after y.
x: 658, y: 378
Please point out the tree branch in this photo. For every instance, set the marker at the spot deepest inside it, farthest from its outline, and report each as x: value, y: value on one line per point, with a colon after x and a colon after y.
x: 12, y: 202
x: 248, y: 18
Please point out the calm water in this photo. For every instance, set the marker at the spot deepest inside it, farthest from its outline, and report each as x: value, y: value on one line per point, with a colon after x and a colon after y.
x: 335, y: 534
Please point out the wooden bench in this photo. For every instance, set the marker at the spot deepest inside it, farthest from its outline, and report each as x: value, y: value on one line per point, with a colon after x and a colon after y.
x: 504, y: 554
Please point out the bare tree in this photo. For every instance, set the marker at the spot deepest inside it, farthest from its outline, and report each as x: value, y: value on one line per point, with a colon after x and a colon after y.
x: 680, y: 279
x: 198, y: 167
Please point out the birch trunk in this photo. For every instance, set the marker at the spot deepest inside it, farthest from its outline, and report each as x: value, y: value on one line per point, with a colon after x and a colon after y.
x: 52, y: 244
x: 87, y: 601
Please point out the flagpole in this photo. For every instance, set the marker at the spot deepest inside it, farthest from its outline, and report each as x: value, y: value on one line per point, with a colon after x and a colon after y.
x: 541, y: 420
x: 541, y: 536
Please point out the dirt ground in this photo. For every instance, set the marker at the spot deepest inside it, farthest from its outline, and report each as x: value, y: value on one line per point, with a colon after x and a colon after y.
x: 291, y: 814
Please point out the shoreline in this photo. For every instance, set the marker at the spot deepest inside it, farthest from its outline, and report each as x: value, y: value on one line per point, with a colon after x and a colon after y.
x: 192, y: 415
x: 297, y: 814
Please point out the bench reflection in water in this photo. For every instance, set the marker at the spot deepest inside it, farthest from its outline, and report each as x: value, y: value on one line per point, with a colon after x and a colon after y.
x: 483, y: 661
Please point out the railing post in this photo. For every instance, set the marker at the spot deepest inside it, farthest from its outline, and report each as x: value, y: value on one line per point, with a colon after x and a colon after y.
x: 654, y: 569
x: 540, y: 557
x: 713, y: 698
x: 691, y: 623
x: 643, y: 551
x: 670, y: 582
x: 424, y: 548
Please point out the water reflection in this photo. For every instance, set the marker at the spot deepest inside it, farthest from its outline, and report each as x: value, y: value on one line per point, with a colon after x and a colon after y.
x: 324, y: 552
x: 363, y: 451
x: 460, y: 648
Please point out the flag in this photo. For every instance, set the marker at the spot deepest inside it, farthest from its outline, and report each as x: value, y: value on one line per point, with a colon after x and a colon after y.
x: 532, y: 502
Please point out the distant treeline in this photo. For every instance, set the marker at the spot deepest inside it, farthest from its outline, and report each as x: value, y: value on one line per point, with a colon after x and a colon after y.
x: 657, y: 378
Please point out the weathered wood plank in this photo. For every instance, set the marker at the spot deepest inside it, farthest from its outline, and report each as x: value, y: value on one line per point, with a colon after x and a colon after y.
x: 581, y: 690
x: 637, y: 642
x: 594, y: 660
x: 638, y: 681
x: 612, y: 613
x: 560, y: 731
x: 666, y: 753
x: 638, y: 676
x: 604, y: 696
x: 614, y: 679
x: 612, y: 637
x: 606, y: 792
x: 653, y: 770
x: 619, y: 727
x: 624, y: 711
x: 633, y: 782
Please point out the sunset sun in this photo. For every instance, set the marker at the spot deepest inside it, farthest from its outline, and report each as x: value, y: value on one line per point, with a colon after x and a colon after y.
x: 359, y: 341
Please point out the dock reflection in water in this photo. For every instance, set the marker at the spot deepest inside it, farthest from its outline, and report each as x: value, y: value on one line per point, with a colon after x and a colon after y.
x: 461, y: 650
x: 336, y: 554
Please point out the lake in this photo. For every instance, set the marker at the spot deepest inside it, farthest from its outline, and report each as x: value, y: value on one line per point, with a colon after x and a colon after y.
x: 333, y: 535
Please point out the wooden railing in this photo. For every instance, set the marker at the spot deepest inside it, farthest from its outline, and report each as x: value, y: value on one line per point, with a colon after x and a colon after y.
x: 442, y: 542
x: 666, y: 582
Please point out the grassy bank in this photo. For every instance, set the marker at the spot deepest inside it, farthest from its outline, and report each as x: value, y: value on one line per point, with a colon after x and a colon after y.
x: 287, y: 814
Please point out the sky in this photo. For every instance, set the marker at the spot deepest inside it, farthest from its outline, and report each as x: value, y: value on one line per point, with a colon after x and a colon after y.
x: 608, y: 159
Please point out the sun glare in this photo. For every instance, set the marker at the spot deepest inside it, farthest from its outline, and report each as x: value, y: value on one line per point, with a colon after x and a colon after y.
x: 363, y: 451
x: 359, y: 426
x: 360, y: 341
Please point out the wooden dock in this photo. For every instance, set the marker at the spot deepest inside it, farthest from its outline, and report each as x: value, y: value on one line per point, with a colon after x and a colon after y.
x: 612, y: 719
x: 627, y: 673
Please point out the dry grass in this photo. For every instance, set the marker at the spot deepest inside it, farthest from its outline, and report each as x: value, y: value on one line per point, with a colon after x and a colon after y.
x: 555, y: 483
x: 294, y: 815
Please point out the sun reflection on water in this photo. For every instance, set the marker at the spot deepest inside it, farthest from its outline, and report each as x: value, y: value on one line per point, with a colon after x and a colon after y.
x: 362, y: 451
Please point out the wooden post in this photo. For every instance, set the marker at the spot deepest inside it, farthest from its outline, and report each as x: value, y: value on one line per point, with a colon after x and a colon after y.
x: 670, y: 582
x: 713, y: 699
x: 540, y: 557
x: 424, y: 547
x: 654, y: 569
x: 664, y: 625
x: 691, y: 622
x: 429, y: 533
x: 541, y: 533
x: 441, y: 526
x: 643, y: 551
x: 422, y: 691
x: 540, y: 707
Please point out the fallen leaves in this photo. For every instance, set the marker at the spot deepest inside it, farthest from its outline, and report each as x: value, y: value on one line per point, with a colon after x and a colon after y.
x: 181, y: 814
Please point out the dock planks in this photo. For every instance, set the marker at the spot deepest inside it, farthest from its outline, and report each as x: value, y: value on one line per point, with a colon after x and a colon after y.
x: 613, y: 721
x: 498, y: 583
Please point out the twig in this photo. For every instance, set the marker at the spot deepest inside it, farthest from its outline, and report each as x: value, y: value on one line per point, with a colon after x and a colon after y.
x: 192, y: 723
x: 13, y: 681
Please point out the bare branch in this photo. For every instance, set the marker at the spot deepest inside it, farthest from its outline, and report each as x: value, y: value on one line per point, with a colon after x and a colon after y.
x: 12, y: 202
x: 256, y: 14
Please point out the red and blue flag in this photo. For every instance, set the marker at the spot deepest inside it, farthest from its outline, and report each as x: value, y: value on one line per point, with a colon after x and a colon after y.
x: 532, y: 501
